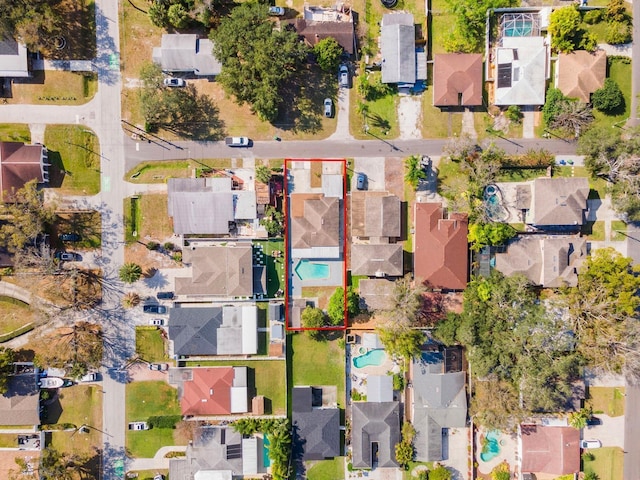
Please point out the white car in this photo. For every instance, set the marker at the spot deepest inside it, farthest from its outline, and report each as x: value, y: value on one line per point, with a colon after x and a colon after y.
x: 276, y: 11
x: 174, y: 82
x: 343, y: 76
x: 158, y: 322
x: 138, y: 426
x: 590, y: 444
x: 89, y: 377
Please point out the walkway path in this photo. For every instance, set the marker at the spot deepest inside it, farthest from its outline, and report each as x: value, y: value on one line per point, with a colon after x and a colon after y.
x: 14, y: 291
x: 158, y: 462
x: 342, y: 113
x: 528, y: 122
x: 468, y: 124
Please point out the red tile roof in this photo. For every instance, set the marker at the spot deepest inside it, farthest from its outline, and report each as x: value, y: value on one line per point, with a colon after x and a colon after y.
x: 553, y: 450
x: 457, y: 79
x: 209, y: 392
x: 441, y: 249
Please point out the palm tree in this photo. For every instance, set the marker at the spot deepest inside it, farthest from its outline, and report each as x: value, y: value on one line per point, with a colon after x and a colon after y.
x: 130, y: 272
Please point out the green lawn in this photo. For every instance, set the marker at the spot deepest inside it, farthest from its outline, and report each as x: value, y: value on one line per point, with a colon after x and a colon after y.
x: 132, y: 219
x: 78, y: 405
x: 74, y: 153
x: 608, y: 400
x: 598, y: 185
x: 436, y: 123
x: 150, y: 344
x: 618, y: 230
x: 15, y: 132
x: 594, y: 231
x: 519, y: 174
x: 161, y: 171
x: 275, y: 265
x: 621, y: 73
x: 306, y: 370
x: 327, y: 470
x: 143, y: 400
x: 382, y: 118
x: 442, y: 24
x: 607, y: 464
x: 265, y: 377
x: 54, y: 87
x: 450, y: 177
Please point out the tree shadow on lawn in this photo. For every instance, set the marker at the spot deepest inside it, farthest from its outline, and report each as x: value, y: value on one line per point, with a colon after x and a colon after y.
x: 303, y: 97
x: 195, y: 116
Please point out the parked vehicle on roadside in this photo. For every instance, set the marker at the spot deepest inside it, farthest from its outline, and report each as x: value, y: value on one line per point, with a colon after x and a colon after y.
x: 159, y: 367
x: 237, y: 141
x: 138, y: 426
x: 154, y: 308
x: 590, y: 444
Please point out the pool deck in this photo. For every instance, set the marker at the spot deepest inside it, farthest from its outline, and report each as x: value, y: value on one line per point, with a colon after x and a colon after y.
x: 359, y: 375
x: 508, y: 452
x: 335, y: 278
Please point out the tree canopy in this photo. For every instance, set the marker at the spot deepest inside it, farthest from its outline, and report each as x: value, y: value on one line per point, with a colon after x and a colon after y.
x: 413, y: 171
x: 328, y: 53
x: 608, y: 98
x: 6, y: 368
x: 33, y: 22
x: 256, y: 58
x: 484, y: 234
x: 335, y: 309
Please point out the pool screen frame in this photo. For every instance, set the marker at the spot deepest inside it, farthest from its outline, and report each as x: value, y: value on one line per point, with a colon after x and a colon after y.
x: 287, y: 249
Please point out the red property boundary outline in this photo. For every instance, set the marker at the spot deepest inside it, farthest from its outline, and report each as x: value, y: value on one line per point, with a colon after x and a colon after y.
x: 287, y: 266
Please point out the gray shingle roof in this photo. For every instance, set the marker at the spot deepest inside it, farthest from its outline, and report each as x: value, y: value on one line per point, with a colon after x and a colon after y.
x: 316, y: 430
x: 377, y: 260
x: 186, y: 53
x: 398, y: 48
x: 375, y: 423
x: 559, y: 201
x: 20, y: 405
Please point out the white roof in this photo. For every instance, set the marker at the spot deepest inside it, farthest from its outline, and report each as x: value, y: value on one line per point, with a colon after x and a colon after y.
x: 239, y: 401
x: 13, y: 59
x: 524, y: 60
x: 249, y: 329
x: 249, y: 456
x: 213, y: 475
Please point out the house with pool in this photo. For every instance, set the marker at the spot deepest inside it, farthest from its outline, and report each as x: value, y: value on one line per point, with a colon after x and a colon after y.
x: 315, y: 233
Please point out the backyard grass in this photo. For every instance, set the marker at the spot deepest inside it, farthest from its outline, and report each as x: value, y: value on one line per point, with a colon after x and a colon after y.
x: 143, y: 400
x: 618, y: 230
x: 407, y: 474
x: 608, y: 400
x: 519, y: 174
x: 150, y: 344
x: 161, y: 171
x: 327, y: 470
x: 77, y: 405
x: 8, y: 440
x: 53, y: 87
x: 607, y: 464
x: 275, y: 265
x: 15, y: 132
x: 265, y: 377
x: 308, y: 355
x: 620, y: 72
x: 74, y: 153
x: 594, y: 231
x: 13, y: 314
x: 436, y: 123
x: 87, y: 224
x: 321, y: 293
x: 154, y: 218
x: 450, y: 177
x: 442, y: 24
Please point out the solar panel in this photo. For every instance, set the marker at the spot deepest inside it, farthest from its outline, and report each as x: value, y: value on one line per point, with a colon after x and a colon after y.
x: 504, y: 75
x: 234, y: 451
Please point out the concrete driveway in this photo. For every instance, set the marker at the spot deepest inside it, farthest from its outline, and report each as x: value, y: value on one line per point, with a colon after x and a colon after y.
x: 610, y: 432
x: 373, y: 168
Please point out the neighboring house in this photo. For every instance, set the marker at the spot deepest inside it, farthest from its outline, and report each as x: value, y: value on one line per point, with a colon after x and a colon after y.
x: 441, y: 247
x: 314, y: 226
x: 375, y: 431
x: 20, y: 405
x: 14, y: 59
x: 222, y: 270
x: 550, y: 262
x: 218, y: 453
x: 457, y: 79
x: 375, y: 227
x: 521, y: 71
x: 318, y: 23
x: 19, y: 164
x: 440, y: 400
x: 549, y: 203
x: 209, y: 206
x: 227, y: 330
x: 211, y: 390
x: 316, y: 428
x: 186, y: 53
x: 551, y: 450
x: 376, y: 293
x: 401, y: 64
x: 580, y: 73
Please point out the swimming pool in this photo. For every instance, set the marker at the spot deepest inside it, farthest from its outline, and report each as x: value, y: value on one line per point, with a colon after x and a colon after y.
x: 265, y: 452
x: 372, y: 358
x: 307, y: 270
x: 491, y: 448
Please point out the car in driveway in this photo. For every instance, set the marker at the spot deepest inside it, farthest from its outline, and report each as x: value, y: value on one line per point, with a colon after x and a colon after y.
x: 69, y: 237
x: 593, y: 421
x: 89, y: 377
x: 138, y: 426
x: 361, y: 181
x: 328, y: 107
x: 276, y: 11
x: 159, y: 367
x: 67, y: 256
x: 158, y: 322
x: 165, y: 295
x: 174, y: 82
x: 343, y: 76
x: 590, y: 444
x: 154, y: 308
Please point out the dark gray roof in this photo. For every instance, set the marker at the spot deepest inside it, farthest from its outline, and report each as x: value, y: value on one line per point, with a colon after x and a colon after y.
x: 186, y: 53
x: 398, y: 48
x: 224, y: 330
x: 316, y: 430
x: 559, y: 201
x: 440, y: 401
x: 275, y: 311
x: 375, y: 423
x: 20, y: 404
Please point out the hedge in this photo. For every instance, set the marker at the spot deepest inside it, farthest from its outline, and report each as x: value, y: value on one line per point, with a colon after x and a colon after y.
x: 164, y: 421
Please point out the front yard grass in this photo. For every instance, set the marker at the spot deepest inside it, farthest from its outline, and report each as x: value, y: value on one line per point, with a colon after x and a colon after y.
x: 519, y: 174
x: 74, y: 153
x: 53, y: 87
x: 619, y: 71
x: 143, y: 400
x: 618, y: 230
x: 327, y: 470
x: 317, y: 363
x: 607, y: 464
x: 608, y: 400
x: 15, y: 132
x: 436, y: 123
x: 594, y: 231
x: 161, y: 171
x: 154, y: 218
x: 265, y: 377
x: 275, y: 265
x: 382, y: 118
x: 87, y: 224
x: 150, y: 344
x: 13, y: 314
x: 451, y: 177
x: 78, y: 405
x: 599, y: 186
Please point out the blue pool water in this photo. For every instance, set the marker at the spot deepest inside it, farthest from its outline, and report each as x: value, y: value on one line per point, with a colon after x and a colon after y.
x: 265, y: 452
x: 492, y: 447
x: 372, y: 358
x: 523, y: 29
x: 307, y: 270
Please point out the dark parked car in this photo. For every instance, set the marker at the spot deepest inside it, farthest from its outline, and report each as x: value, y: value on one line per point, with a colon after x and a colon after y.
x: 69, y: 237
x: 594, y: 421
x: 361, y: 181
x: 154, y: 309
x: 165, y: 295
x: 67, y: 256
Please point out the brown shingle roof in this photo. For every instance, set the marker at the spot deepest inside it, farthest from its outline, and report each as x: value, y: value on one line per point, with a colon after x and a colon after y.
x: 456, y: 74
x: 314, y: 31
x: 377, y: 260
x: 319, y: 224
x: 375, y: 214
x: 441, y: 248
x: 559, y: 201
x: 19, y: 164
x: 581, y: 73
x: 553, y: 450
x: 20, y: 405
